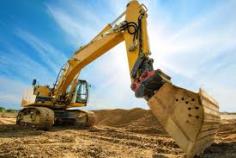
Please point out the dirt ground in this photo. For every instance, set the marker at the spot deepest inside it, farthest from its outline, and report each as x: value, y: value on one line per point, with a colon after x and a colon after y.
x: 118, y: 133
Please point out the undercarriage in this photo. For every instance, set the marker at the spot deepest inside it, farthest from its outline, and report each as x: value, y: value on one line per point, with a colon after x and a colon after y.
x: 44, y: 118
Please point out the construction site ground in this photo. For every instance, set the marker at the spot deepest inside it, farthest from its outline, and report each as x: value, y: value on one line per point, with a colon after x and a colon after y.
x: 119, y: 133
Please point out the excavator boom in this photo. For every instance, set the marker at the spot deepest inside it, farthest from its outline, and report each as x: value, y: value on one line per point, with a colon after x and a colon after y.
x: 192, y: 119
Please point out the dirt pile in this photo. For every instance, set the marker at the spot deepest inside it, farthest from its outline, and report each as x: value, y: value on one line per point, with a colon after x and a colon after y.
x: 134, y: 120
x: 119, y: 133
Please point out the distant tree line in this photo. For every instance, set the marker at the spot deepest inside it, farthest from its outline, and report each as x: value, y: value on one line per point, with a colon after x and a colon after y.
x: 2, y: 109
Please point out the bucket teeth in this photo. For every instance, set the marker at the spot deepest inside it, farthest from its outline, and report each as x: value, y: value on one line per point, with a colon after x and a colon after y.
x: 192, y: 119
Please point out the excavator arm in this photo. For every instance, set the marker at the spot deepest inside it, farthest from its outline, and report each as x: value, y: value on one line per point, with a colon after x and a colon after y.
x: 132, y: 30
x: 192, y: 119
x: 85, y: 55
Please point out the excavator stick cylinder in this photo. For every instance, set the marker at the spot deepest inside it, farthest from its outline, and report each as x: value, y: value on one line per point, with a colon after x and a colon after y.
x: 192, y: 119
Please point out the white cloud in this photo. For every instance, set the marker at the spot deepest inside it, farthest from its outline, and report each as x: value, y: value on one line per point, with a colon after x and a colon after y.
x: 25, y: 68
x: 78, y: 24
x: 10, y: 92
x: 48, y: 54
x: 193, y: 52
x: 22, y: 68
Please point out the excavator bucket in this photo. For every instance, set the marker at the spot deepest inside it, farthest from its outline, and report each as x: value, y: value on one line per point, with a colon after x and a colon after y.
x: 192, y: 119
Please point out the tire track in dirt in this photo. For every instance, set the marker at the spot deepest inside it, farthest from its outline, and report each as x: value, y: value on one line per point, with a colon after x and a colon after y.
x: 139, y: 137
x: 162, y: 144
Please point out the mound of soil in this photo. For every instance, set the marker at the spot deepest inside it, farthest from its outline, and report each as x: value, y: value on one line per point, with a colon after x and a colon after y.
x: 131, y: 133
x: 135, y: 120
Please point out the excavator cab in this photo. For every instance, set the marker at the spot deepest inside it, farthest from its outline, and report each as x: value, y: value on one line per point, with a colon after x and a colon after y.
x: 82, y: 92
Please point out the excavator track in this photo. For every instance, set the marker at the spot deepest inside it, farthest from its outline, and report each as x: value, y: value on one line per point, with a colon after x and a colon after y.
x: 78, y: 118
x: 91, y: 119
x: 84, y: 118
x: 44, y: 118
x: 36, y: 117
x: 192, y: 119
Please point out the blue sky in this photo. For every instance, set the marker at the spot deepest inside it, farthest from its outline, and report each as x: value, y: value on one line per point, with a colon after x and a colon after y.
x: 194, y: 41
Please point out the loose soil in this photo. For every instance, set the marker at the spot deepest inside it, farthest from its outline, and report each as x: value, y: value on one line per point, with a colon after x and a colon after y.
x: 119, y: 133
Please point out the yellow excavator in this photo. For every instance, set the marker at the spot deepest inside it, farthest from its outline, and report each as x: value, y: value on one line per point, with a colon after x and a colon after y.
x: 190, y: 118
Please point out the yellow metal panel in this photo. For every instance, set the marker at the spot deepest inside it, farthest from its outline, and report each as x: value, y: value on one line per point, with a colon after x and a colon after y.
x: 146, y: 49
x: 133, y: 12
x: 71, y: 105
x: 42, y: 91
